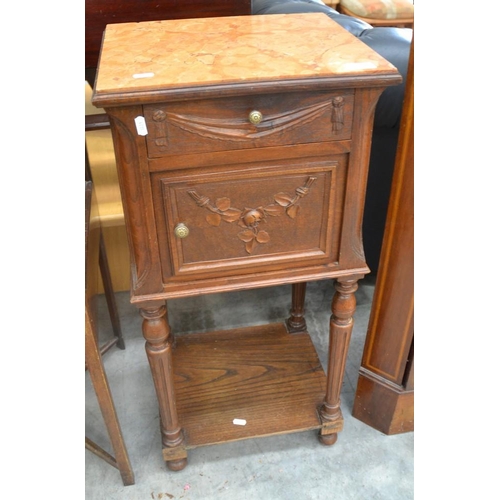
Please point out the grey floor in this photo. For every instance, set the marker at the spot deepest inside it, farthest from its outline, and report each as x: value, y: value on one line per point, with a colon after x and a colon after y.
x: 363, y: 464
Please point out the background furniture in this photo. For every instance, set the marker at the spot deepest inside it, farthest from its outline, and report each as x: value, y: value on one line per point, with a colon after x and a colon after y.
x: 102, y: 166
x: 105, y: 273
x: 99, y: 13
x: 93, y: 352
x: 397, y: 13
x: 385, y: 392
x: 332, y: 3
x: 236, y: 175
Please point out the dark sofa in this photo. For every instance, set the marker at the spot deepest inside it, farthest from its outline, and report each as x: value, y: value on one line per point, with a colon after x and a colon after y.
x: 394, y: 45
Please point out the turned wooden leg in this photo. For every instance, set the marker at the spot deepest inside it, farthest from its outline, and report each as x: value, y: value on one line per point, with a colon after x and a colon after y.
x: 156, y: 331
x: 341, y: 323
x: 296, y: 322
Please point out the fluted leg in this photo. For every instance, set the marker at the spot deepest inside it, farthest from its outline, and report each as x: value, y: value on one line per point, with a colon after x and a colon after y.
x: 296, y: 322
x: 156, y: 331
x: 341, y: 323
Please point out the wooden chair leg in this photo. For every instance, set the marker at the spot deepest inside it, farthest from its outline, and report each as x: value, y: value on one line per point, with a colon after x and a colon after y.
x: 88, y: 173
x: 99, y: 379
x: 110, y: 294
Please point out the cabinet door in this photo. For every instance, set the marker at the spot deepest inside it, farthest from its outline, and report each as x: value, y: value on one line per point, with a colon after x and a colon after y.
x: 249, y: 219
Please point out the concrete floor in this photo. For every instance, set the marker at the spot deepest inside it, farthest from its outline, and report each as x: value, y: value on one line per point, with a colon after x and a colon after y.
x: 363, y: 464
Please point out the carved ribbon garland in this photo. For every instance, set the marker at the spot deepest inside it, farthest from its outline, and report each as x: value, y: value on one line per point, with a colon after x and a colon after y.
x: 250, y: 218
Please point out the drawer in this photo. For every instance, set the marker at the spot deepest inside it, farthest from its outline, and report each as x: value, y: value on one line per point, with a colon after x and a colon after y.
x: 249, y: 220
x: 226, y: 124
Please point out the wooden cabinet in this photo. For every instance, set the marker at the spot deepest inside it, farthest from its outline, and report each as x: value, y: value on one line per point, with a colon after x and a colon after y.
x: 242, y: 148
x: 385, y: 392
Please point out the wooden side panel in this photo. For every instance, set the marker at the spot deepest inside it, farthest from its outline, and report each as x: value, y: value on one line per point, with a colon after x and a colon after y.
x: 352, y: 251
x: 390, y: 331
x: 384, y: 396
x: 137, y: 200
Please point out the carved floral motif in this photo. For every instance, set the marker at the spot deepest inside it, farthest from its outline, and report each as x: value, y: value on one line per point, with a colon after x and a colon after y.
x: 250, y: 218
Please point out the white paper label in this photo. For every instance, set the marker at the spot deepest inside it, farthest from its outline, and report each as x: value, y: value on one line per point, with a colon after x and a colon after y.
x: 143, y: 75
x: 140, y: 124
x: 239, y: 421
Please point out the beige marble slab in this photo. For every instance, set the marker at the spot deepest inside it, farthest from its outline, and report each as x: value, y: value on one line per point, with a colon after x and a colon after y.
x: 210, y: 51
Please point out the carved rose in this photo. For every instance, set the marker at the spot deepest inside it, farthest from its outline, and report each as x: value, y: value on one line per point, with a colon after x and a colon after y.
x: 252, y: 216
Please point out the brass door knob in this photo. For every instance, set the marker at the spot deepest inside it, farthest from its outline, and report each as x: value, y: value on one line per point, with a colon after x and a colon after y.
x: 255, y: 117
x: 181, y: 230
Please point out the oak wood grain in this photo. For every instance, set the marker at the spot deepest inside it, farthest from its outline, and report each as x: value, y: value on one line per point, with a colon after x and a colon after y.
x: 261, y: 374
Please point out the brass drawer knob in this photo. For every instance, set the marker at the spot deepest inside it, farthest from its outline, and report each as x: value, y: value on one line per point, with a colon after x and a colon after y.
x: 181, y: 230
x: 255, y: 117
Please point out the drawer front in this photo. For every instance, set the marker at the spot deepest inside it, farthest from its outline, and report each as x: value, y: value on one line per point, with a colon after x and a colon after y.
x: 226, y: 124
x: 249, y: 220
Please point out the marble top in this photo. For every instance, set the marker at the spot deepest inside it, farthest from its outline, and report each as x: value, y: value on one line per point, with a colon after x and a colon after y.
x: 210, y: 51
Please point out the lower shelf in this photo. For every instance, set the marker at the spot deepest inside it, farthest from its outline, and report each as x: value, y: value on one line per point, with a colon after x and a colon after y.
x: 263, y: 375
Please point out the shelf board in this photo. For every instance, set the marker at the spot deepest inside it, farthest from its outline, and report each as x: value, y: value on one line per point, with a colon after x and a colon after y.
x: 271, y: 379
